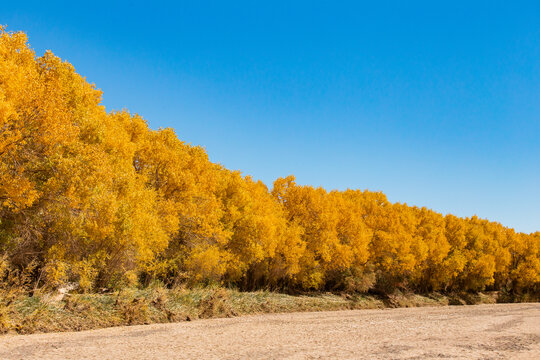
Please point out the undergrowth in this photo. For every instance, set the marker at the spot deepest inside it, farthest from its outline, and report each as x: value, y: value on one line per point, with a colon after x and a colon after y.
x: 46, y: 312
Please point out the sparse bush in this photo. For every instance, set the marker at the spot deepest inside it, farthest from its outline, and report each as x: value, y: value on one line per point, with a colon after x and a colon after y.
x: 216, y: 304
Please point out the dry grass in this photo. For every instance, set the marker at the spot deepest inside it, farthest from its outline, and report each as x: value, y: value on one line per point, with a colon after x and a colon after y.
x: 43, y: 312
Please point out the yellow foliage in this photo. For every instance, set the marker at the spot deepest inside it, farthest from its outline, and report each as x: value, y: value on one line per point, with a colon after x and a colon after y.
x: 101, y: 199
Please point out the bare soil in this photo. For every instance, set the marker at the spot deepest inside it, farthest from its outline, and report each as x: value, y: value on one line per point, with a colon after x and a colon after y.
x: 501, y: 331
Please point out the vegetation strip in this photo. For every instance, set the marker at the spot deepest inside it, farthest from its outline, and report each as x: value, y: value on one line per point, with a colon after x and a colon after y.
x: 74, y: 312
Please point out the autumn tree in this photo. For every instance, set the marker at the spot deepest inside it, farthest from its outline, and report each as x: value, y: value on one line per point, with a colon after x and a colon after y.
x: 104, y: 200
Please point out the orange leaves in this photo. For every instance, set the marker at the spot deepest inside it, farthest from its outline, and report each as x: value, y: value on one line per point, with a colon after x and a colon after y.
x: 335, y: 235
x: 525, y: 270
x: 102, y: 199
x: 69, y: 167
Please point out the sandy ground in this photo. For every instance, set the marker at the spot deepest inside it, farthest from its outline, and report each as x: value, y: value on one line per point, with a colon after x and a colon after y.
x: 503, y: 331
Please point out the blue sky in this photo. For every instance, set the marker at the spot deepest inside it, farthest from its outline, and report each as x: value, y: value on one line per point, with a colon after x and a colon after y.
x: 434, y: 104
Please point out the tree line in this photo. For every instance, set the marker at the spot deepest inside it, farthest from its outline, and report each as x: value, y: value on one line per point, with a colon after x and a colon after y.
x: 101, y: 199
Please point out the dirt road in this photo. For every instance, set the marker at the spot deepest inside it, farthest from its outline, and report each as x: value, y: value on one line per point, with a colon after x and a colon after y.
x: 503, y: 331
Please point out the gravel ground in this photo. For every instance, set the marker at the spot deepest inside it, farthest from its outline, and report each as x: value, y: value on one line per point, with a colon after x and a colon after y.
x: 502, y: 331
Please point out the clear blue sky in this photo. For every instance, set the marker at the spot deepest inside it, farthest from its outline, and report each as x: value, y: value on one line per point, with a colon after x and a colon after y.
x: 435, y: 104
